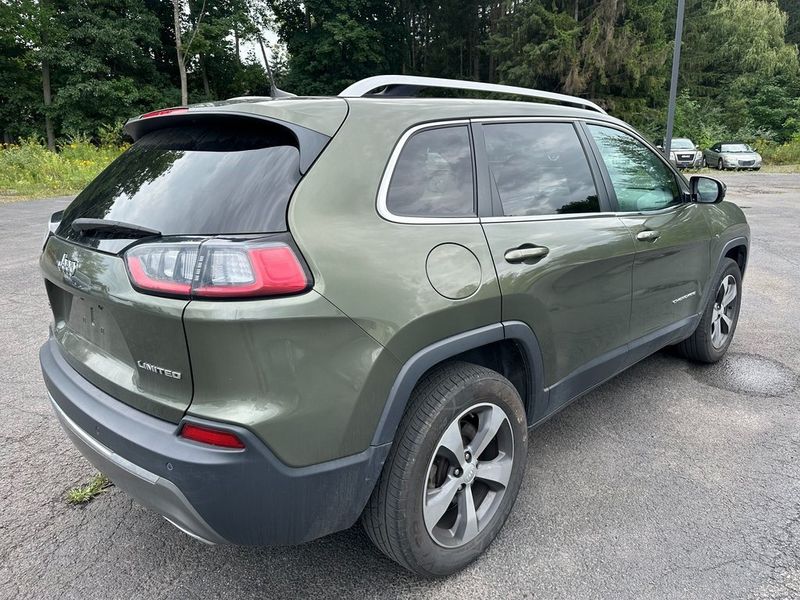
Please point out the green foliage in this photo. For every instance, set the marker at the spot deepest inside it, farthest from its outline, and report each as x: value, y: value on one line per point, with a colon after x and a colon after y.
x: 107, y: 60
x: 30, y: 169
x: 784, y: 154
x: 333, y: 43
x: 85, y: 493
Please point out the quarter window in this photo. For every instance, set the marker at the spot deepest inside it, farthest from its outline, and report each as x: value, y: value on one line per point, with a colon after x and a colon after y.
x: 433, y: 176
x: 540, y: 169
x: 641, y: 180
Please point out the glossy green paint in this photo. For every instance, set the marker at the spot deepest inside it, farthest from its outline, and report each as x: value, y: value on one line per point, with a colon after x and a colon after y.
x: 372, y: 269
x: 296, y: 371
x: 105, y: 327
x: 577, y: 298
x: 324, y: 115
x: 670, y: 273
x: 726, y: 223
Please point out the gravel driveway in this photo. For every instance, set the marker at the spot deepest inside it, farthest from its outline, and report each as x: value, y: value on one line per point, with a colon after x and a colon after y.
x: 670, y: 481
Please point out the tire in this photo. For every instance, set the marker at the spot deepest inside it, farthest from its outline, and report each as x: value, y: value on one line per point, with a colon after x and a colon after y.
x: 720, y: 165
x: 704, y: 165
x: 714, y: 333
x: 461, y: 399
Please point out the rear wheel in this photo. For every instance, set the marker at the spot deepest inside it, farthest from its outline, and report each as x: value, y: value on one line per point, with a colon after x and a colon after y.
x: 714, y: 333
x: 453, y: 473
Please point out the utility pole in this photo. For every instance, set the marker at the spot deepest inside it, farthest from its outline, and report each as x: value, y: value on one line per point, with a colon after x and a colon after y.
x: 673, y: 86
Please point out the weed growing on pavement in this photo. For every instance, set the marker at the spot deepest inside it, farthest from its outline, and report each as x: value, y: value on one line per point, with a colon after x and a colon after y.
x: 85, y: 493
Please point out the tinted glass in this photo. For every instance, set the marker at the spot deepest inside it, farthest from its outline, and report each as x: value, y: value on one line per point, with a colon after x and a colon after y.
x: 196, y: 180
x: 641, y: 180
x: 540, y: 169
x: 433, y: 175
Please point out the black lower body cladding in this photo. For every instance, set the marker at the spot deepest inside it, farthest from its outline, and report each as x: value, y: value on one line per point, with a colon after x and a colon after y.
x: 246, y: 497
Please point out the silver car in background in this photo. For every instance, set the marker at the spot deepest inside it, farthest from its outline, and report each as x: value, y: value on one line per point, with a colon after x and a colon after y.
x: 684, y: 154
x: 732, y: 155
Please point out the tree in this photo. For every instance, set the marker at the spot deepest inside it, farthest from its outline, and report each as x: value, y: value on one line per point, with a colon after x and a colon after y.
x: 181, y: 57
x: 738, y: 64
x: 332, y: 43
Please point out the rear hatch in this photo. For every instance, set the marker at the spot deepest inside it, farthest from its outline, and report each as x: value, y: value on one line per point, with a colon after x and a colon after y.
x: 189, y: 180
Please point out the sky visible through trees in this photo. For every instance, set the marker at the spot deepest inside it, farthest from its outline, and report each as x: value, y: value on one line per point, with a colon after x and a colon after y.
x: 81, y: 67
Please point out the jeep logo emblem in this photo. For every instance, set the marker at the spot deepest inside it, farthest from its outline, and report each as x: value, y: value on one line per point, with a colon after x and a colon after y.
x: 67, y: 266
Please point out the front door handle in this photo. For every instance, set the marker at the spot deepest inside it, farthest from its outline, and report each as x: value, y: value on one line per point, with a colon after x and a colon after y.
x: 648, y: 235
x: 518, y: 255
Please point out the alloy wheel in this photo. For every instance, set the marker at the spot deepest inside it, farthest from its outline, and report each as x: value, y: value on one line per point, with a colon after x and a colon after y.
x: 723, y: 311
x: 468, y: 475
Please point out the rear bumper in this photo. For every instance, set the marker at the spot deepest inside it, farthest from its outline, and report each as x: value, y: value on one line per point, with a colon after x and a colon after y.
x: 219, y: 496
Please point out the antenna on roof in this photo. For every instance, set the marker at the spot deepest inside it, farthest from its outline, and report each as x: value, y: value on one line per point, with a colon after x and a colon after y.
x: 274, y: 92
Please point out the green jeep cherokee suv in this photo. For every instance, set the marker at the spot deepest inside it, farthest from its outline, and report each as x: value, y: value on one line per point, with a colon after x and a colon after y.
x: 274, y: 317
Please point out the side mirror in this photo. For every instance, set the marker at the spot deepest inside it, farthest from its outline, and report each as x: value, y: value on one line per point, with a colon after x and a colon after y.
x: 707, y: 190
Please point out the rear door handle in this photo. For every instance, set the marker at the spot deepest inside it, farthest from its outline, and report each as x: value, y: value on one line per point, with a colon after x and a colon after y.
x: 518, y: 255
x: 648, y: 235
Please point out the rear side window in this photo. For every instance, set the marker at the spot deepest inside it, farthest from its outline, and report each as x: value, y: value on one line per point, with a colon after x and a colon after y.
x: 433, y: 175
x: 540, y: 169
x: 230, y: 177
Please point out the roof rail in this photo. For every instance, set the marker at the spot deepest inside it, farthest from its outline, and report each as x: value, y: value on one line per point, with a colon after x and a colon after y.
x: 409, y: 85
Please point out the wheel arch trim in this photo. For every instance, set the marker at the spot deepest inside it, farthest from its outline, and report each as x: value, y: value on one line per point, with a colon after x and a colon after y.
x: 735, y: 243
x: 426, y: 358
x: 726, y: 247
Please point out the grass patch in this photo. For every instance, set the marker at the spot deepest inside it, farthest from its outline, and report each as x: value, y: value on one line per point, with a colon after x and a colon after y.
x: 30, y: 170
x: 85, y: 493
x: 781, y: 154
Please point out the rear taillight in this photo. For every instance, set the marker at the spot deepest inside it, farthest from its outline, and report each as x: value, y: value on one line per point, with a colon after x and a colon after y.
x: 216, y: 269
x: 211, y: 436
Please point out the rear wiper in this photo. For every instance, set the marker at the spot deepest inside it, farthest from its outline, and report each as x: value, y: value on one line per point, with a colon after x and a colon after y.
x: 113, y: 228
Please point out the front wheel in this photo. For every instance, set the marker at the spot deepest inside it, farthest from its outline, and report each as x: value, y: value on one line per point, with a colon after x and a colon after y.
x: 720, y: 165
x: 714, y: 333
x: 453, y: 473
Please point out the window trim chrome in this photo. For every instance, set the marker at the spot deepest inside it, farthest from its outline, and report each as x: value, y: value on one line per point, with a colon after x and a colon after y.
x: 606, y: 214
x: 554, y: 217
x: 388, y: 172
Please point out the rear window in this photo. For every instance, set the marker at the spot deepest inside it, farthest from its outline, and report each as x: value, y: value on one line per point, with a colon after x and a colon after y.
x: 225, y: 178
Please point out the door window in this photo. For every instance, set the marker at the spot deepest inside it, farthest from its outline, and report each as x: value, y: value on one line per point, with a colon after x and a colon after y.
x: 433, y: 176
x: 540, y: 169
x: 641, y: 180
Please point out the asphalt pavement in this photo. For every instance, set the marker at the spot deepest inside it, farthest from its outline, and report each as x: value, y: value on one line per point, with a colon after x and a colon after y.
x: 671, y: 481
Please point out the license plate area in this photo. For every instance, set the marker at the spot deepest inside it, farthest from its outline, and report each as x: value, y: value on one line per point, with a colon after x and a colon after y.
x: 89, y: 320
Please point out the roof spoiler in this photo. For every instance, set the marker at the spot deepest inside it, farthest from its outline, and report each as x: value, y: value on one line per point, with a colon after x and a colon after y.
x: 310, y: 143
